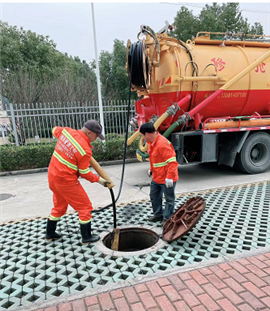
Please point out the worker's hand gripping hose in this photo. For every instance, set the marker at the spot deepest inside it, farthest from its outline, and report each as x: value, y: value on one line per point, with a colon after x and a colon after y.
x: 103, y: 182
x: 106, y: 182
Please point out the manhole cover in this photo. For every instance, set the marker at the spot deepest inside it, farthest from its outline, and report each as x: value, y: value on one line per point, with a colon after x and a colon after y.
x: 5, y: 196
x: 184, y: 219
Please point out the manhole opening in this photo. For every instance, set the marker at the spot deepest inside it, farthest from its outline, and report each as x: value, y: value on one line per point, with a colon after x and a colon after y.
x: 133, y: 239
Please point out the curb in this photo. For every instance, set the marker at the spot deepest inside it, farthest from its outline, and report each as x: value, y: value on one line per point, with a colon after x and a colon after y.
x: 45, y: 169
x: 141, y: 280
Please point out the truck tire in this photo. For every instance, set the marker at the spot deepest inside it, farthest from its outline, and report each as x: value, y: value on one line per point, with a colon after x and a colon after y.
x: 254, y: 157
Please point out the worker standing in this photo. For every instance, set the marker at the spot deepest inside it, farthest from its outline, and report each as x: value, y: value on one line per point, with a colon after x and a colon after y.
x: 71, y: 159
x: 164, y: 171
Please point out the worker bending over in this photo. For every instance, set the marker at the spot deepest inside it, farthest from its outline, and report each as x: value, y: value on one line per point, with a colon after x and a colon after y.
x: 71, y: 159
x: 164, y: 171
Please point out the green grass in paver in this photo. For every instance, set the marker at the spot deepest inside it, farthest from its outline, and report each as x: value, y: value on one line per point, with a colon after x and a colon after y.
x: 236, y: 219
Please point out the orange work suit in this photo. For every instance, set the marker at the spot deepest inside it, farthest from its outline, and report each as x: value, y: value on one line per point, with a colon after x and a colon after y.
x: 162, y: 158
x: 71, y: 159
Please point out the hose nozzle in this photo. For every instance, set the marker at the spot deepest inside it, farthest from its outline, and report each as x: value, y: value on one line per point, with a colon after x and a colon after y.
x: 172, y: 109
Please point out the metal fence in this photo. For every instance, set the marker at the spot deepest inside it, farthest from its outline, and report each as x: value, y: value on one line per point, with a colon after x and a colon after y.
x: 32, y: 123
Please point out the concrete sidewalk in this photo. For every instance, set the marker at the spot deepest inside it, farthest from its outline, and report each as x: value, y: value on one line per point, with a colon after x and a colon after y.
x: 242, y: 285
x: 30, y: 195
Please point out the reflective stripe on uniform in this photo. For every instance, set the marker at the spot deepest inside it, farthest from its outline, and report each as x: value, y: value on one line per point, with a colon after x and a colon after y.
x: 65, y: 162
x: 87, y: 170
x: 164, y: 163
x: 54, y: 218
x: 53, y: 130
x: 84, y: 221
x: 74, y: 142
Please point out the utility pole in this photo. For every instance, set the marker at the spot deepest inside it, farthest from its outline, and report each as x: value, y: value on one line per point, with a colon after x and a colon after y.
x: 98, y: 77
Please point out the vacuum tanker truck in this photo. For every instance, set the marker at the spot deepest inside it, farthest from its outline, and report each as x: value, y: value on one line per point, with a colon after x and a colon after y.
x: 210, y: 97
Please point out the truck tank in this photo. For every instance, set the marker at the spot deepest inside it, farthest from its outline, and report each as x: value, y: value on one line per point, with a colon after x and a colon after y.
x: 164, y: 70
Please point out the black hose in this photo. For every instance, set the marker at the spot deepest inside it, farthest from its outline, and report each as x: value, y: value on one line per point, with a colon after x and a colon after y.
x: 124, y: 160
x: 114, y: 208
x: 137, y: 77
x: 123, y: 170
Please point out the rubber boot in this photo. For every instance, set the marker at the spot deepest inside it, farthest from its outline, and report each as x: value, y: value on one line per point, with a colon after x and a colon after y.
x: 51, y: 235
x: 87, y: 237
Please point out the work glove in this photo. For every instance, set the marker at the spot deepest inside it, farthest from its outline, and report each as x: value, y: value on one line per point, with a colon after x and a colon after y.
x: 149, y: 173
x: 169, y: 183
x: 103, y: 182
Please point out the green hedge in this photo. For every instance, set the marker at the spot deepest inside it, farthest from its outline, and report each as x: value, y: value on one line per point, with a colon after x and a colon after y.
x: 39, y: 155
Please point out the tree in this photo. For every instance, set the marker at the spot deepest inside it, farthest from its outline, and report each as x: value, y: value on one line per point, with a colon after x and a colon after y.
x: 223, y: 17
x: 33, y: 69
x: 119, y: 72
x: 106, y: 78
x: 21, y: 48
x: 185, y: 24
x: 113, y: 73
x: 256, y: 29
x: 214, y: 18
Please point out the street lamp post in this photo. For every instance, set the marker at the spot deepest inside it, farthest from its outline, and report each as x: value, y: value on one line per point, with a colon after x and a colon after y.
x: 98, y: 77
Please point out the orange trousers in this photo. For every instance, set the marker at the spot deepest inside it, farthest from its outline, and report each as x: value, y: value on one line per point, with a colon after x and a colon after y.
x: 73, y: 195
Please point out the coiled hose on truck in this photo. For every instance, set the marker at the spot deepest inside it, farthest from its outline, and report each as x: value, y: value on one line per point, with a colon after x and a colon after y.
x: 138, y: 65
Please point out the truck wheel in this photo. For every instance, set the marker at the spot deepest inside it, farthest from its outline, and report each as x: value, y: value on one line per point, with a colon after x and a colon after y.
x: 254, y: 157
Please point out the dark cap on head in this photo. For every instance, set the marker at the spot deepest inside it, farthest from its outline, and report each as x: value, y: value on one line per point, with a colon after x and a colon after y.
x: 147, y: 128
x: 95, y: 126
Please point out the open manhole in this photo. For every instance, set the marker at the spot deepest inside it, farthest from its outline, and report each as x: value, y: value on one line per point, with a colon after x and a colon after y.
x: 132, y: 241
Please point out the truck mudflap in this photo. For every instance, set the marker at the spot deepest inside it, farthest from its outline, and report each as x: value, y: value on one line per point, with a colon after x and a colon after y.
x: 184, y: 219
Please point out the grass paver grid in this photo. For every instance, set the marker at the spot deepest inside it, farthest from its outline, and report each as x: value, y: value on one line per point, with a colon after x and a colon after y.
x: 236, y: 219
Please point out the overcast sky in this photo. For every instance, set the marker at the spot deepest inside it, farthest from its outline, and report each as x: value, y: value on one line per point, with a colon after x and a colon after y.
x: 70, y: 26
